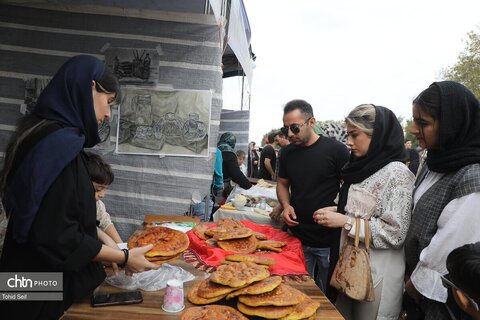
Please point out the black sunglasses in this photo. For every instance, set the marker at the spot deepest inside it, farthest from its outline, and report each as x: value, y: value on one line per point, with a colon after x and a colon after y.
x: 447, y: 283
x: 295, y: 128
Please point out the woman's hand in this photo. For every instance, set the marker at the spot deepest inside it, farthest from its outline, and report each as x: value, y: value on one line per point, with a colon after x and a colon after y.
x: 289, y: 216
x: 329, y: 217
x: 137, y: 261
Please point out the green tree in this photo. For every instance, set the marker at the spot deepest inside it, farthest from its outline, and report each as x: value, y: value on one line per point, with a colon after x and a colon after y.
x: 408, y: 133
x: 467, y: 69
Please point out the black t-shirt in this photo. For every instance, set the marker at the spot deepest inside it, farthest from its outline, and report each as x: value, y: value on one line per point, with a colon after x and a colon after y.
x: 232, y: 171
x: 267, y: 153
x: 314, y: 176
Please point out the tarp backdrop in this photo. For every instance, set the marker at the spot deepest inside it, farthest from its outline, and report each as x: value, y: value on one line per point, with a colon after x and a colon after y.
x: 34, y: 42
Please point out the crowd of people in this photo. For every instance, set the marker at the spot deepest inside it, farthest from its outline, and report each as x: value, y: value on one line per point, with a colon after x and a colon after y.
x: 420, y: 210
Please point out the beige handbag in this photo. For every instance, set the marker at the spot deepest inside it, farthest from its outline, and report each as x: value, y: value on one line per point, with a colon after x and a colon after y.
x: 352, y: 274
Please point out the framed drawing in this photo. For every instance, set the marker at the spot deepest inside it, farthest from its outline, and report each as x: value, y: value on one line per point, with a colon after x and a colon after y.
x: 164, y: 122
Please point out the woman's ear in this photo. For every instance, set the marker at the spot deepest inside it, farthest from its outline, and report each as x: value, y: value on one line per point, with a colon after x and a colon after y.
x: 93, y: 83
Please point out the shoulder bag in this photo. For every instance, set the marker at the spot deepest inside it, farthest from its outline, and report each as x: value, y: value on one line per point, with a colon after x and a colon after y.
x: 352, y: 274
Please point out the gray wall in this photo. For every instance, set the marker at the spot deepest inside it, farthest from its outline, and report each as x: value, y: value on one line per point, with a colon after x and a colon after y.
x: 35, y: 42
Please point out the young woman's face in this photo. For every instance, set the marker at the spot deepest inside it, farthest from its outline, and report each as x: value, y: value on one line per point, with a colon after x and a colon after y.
x: 101, y: 103
x: 357, y: 140
x: 100, y: 190
x: 425, y: 128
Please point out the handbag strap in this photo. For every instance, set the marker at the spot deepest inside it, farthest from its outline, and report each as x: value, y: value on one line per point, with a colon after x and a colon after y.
x: 357, y: 233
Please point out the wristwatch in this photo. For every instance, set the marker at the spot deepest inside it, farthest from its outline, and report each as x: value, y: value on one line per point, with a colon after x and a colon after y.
x: 349, y: 224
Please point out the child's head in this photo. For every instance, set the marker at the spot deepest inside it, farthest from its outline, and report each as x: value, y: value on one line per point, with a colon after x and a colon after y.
x: 100, y: 173
x: 463, y: 265
x: 240, y: 157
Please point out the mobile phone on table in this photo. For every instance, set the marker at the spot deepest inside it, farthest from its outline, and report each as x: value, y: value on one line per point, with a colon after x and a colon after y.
x: 116, y: 298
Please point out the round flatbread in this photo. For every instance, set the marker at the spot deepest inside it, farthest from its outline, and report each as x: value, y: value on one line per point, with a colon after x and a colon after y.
x: 245, y: 245
x: 283, y: 295
x: 304, y: 309
x: 239, y: 274
x: 194, y: 298
x: 166, y: 242
x: 229, y: 223
x: 262, y: 286
x: 233, y: 233
x: 212, y: 312
x: 259, y: 236
x: 269, y: 312
x: 258, y: 260
x: 273, y: 243
x: 208, y: 289
x: 200, y: 229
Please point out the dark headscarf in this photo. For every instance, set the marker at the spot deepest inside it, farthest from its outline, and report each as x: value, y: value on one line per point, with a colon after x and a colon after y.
x: 227, y: 142
x: 386, y: 146
x: 459, y: 129
x: 67, y: 99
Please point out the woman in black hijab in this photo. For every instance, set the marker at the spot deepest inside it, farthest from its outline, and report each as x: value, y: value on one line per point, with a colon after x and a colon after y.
x: 48, y: 195
x: 377, y: 188
x: 446, y: 121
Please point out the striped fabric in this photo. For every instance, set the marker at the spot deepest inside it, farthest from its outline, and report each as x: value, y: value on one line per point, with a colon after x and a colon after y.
x: 34, y: 42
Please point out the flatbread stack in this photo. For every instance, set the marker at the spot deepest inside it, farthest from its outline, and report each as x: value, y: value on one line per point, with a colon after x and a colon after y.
x: 283, y: 302
x: 226, y: 279
x: 258, y: 293
x: 232, y: 236
x: 213, y: 312
x: 167, y: 243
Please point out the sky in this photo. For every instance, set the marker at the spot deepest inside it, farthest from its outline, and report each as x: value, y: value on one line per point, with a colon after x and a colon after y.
x: 339, y: 54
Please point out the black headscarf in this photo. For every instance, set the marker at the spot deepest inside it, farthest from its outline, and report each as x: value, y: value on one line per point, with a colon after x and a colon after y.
x: 227, y: 142
x: 386, y: 146
x: 459, y: 129
x: 67, y: 99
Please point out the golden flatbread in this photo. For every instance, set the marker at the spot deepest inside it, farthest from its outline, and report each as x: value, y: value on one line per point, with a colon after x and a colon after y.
x: 283, y: 295
x: 194, y: 298
x: 160, y: 258
x: 229, y: 223
x: 262, y: 286
x: 245, y: 245
x: 239, y: 274
x: 208, y: 289
x: 233, y: 233
x: 213, y: 230
x: 212, y: 312
x: 259, y: 236
x: 268, y: 312
x: 304, y: 309
x: 230, y: 262
x: 166, y: 242
x: 258, y: 260
x: 200, y: 229
x: 273, y: 243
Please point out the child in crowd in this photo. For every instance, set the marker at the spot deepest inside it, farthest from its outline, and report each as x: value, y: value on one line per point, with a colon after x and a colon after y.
x: 101, y: 175
x: 463, y: 265
x: 241, y: 161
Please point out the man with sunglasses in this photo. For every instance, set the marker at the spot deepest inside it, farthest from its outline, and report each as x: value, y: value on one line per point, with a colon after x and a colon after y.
x: 463, y: 281
x: 309, y: 179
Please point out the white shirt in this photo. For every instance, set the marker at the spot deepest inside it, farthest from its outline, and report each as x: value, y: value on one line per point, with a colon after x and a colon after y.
x: 457, y: 225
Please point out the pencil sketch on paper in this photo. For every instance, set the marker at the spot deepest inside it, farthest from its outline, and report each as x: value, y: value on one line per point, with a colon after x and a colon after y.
x: 133, y: 66
x: 174, y: 123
